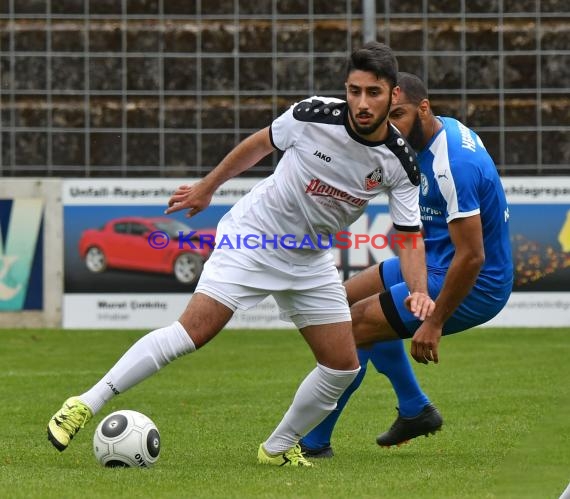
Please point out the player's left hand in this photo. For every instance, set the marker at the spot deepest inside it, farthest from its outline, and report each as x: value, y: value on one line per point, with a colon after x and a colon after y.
x: 194, y: 198
x: 425, y: 343
x: 420, y: 304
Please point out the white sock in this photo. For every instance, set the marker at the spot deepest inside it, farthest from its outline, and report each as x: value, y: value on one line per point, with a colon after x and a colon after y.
x: 316, y: 397
x: 148, y: 355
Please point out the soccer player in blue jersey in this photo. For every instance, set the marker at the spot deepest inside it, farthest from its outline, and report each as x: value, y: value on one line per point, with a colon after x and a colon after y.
x: 470, y: 272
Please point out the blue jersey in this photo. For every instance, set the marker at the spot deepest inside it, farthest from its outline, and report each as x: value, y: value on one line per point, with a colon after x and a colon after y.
x: 459, y: 179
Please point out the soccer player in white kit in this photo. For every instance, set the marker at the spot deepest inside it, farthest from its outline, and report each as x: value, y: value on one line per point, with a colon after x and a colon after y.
x: 337, y: 156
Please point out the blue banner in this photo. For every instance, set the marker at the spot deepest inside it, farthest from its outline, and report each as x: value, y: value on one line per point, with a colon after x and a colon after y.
x: 21, y: 254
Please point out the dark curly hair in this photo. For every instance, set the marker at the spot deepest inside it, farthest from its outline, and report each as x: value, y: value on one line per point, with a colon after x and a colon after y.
x: 377, y: 58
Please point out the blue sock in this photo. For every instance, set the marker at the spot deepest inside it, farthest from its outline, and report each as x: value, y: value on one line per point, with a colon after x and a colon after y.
x: 320, y: 436
x: 390, y: 358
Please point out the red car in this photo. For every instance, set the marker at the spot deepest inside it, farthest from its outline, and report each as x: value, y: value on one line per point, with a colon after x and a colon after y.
x: 129, y: 243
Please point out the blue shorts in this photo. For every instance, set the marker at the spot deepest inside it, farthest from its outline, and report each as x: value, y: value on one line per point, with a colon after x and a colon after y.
x: 478, y: 307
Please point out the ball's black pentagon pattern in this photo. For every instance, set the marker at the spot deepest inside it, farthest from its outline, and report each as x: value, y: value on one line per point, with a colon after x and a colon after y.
x: 114, y: 425
x: 115, y: 463
x: 126, y: 438
x: 153, y: 443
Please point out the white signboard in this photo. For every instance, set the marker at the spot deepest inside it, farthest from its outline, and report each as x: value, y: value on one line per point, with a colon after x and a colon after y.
x: 136, y: 286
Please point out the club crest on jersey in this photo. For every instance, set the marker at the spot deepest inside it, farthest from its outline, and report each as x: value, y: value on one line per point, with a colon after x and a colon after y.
x: 374, y: 179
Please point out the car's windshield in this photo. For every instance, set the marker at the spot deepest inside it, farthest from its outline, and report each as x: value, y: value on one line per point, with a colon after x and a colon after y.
x: 173, y: 227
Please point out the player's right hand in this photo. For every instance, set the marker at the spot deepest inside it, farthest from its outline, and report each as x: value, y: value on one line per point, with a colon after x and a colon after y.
x: 420, y: 304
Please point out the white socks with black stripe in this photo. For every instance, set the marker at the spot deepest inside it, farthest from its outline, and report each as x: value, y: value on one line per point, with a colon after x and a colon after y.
x: 316, y: 397
x: 148, y: 355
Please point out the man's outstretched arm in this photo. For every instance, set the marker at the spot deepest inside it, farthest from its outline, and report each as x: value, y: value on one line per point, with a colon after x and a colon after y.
x: 246, y: 154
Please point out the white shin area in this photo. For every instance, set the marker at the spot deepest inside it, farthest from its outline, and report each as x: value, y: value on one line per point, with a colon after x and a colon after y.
x: 316, y: 397
x: 148, y: 355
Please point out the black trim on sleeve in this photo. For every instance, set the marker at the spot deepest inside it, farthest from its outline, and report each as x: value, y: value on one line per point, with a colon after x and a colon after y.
x: 380, y: 269
x: 391, y: 313
x: 405, y: 153
x: 317, y: 111
x: 407, y: 228
x: 271, y: 139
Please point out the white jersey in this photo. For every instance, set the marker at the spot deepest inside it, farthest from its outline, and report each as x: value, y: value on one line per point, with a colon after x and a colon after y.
x: 327, y: 176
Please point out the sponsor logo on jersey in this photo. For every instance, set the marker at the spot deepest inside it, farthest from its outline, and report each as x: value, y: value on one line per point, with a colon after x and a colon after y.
x: 324, y: 157
x: 317, y: 187
x: 374, y: 179
x: 428, y: 213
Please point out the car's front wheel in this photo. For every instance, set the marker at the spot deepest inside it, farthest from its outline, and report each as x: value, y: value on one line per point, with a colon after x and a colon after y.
x: 187, y: 268
x: 95, y: 260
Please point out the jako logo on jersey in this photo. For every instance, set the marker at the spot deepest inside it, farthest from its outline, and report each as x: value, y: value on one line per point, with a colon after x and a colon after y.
x: 324, y: 157
x: 318, y: 188
x: 374, y: 179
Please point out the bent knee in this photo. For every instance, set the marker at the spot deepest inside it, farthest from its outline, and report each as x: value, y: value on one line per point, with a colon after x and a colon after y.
x: 358, y: 313
x: 368, y: 322
x: 365, y: 314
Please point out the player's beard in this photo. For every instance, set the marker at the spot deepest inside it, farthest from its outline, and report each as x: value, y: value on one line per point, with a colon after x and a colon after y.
x: 416, y: 137
x: 370, y: 129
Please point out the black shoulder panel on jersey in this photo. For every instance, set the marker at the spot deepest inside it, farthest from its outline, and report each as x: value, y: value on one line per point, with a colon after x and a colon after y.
x: 317, y: 111
x: 407, y: 156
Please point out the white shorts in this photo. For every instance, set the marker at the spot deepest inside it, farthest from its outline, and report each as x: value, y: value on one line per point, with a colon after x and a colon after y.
x: 308, y: 294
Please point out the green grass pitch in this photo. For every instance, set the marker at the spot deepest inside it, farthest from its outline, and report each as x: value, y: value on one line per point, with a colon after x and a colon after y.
x: 504, y: 394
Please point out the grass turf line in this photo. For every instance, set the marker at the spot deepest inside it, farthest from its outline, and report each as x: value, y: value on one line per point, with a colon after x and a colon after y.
x: 504, y: 394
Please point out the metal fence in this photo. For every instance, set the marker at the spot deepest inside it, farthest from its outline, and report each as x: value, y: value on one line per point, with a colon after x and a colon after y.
x: 167, y: 87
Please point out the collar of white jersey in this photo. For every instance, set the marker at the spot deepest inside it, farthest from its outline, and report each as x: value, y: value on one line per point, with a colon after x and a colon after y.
x: 362, y: 140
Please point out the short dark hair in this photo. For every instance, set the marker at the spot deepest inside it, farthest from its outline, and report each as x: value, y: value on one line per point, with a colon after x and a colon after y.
x: 377, y: 58
x: 413, y: 87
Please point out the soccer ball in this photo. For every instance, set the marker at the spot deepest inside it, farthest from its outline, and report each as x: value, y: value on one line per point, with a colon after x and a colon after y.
x: 126, y: 439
